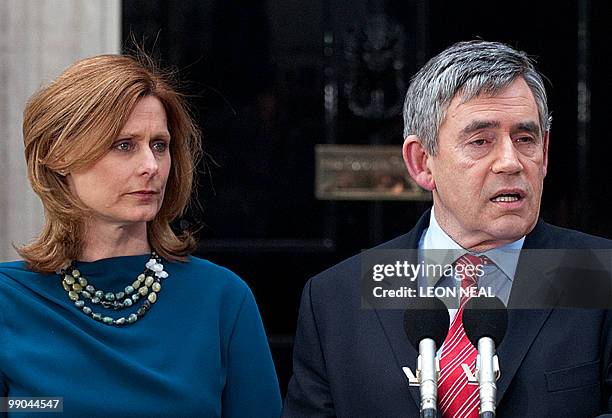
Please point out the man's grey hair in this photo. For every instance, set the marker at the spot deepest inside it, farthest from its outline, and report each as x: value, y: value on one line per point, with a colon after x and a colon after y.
x: 469, y: 68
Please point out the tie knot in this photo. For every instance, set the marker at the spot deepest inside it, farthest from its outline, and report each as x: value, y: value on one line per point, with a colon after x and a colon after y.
x: 468, y: 269
x: 475, y: 260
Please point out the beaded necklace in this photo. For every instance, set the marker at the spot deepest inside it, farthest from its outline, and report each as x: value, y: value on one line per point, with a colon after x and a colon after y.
x: 146, y: 286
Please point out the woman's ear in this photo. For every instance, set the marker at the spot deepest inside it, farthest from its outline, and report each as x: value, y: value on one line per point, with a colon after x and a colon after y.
x: 416, y: 158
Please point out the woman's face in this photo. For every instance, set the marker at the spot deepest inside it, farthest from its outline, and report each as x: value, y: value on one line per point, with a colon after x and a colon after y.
x: 127, y: 185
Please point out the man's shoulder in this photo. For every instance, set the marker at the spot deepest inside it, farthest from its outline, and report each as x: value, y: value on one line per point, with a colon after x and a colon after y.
x: 348, y: 271
x: 546, y: 235
x: 345, y: 276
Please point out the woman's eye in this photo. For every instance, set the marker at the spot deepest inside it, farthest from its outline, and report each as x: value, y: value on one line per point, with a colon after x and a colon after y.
x: 160, y: 146
x: 123, y: 146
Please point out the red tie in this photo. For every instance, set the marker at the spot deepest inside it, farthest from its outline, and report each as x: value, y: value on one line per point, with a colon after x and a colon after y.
x: 457, y: 398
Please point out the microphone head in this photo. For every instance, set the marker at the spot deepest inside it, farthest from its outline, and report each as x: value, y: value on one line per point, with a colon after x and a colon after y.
x: 426, y: 318
x: 485, y: 317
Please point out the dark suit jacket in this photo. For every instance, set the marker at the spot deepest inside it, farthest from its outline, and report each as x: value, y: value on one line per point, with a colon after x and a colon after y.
x: 348, y: 360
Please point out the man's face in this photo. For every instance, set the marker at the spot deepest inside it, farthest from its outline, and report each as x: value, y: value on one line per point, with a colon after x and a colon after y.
x: 490, y: 167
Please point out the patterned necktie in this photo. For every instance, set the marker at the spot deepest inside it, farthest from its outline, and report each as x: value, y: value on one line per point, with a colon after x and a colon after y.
x: 457, y: 398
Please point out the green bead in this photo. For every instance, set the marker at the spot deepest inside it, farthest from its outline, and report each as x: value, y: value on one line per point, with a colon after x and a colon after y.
x: 120, y: 321
x: 136, y: 284
x: 66, y: 286
x: 152, y: 297
x: 73, y: 295
x: 143, y: 291
x: 132, y: 318
x: 109, y: 296
x: 86, y: 294
x: 83, y: 281
x: 69, y: 279
x: 77, y: 287
x: 79, y: 303
x: 156, y: 286
x: 140, y: 277
x: 149, y: 281
x: 96, y: 316
x: 107, y: 320
x: 129, y: 290
x: 87, y: 309
x: 76, y: 273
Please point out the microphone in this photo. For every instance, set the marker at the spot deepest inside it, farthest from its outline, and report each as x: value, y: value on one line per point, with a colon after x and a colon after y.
x: 485, y: 321
x: 426, y: 324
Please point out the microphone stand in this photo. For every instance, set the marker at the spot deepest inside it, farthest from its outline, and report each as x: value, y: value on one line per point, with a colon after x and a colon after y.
x: 486, y: 374
x: 427, y: 373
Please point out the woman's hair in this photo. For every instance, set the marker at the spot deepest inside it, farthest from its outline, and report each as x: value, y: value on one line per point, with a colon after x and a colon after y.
x: 73, y: 122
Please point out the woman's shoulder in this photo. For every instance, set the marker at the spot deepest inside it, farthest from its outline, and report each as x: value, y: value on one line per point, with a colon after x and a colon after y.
x: 211, y: 275
x: 14, y: 271
x: 15, y: 278
x: 213, y: 286
x: 12, y: 265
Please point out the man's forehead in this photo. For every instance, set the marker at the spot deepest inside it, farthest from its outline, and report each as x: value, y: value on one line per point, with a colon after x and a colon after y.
x: 468, y: 104
x: 466, y: 94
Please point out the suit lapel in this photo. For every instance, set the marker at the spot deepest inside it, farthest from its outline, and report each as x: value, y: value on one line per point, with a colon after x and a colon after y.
x: 523, y: 327
x: 531, y: 288
x: 392, y: 320
x: 405, y: 355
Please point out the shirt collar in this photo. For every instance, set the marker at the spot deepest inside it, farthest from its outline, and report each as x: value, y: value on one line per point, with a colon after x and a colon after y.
x: 434, y: 238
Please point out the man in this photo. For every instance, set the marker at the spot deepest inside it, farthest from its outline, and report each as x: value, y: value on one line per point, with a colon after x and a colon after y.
x: 476, y: 136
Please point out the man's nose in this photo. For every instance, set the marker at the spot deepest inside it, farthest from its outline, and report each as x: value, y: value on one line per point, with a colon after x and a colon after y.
x: 506, y: 158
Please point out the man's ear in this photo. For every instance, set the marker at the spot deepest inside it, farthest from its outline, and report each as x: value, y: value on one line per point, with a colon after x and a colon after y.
x: 545, y: 160
x: 415, y: 158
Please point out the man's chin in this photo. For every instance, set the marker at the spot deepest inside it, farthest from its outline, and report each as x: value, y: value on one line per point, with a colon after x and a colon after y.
x: 510, y: 229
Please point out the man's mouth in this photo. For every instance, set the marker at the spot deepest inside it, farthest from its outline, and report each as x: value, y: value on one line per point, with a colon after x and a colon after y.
x: 508, y: 196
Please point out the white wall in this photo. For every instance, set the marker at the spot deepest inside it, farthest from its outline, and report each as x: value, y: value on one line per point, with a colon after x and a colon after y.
x: 38, y: 40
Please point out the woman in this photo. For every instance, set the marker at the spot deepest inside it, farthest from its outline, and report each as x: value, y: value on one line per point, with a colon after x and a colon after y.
x: 108, y: 310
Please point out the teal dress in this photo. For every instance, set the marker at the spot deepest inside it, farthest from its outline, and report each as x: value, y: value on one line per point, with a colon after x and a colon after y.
x: 200, y: 351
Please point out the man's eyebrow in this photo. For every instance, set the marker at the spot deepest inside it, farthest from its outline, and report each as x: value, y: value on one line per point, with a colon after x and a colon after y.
x: 477, y: 125
x: 529, y: 126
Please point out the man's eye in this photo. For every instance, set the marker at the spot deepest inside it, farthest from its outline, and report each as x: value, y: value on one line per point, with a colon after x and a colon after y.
x: 479, y: 142
x: 525, y: 139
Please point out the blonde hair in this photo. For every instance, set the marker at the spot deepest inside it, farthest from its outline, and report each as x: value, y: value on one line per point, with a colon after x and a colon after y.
x: 73, y: 122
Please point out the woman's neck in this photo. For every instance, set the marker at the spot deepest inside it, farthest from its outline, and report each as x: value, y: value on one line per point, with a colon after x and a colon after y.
x: 113, y: 240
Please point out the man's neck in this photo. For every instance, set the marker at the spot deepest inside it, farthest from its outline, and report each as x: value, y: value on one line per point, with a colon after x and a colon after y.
x: 105, y: 240
x: 477, y: 243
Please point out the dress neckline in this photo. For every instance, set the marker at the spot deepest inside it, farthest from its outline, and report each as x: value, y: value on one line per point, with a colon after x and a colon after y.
x: 113, y: 273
